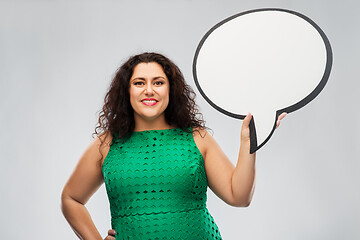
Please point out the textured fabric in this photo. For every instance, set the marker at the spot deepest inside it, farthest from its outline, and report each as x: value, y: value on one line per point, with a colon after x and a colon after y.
x: 156, y: 185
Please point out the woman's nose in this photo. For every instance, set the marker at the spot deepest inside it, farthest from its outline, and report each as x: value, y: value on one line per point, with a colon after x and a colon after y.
x: 149, y: 90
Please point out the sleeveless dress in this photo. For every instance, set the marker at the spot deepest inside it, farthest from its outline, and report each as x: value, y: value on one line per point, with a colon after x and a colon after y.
x: 156, y: 184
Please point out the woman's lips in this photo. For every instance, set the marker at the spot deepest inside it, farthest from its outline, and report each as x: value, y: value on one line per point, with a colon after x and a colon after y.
x: 149, y: 101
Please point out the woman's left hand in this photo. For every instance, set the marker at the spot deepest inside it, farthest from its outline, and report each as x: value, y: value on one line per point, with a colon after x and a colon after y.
x: 245, y: 132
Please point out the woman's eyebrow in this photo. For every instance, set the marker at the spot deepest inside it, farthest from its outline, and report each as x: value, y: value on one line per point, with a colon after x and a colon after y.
x: 138, y: 78
x: 159, y: 77
x: 142, y: 78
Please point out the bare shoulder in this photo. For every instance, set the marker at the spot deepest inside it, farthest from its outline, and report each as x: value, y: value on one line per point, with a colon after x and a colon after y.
x: 202, y: 139
x: 199, y: 132
x: 102, y: 144
x: 105, y: 138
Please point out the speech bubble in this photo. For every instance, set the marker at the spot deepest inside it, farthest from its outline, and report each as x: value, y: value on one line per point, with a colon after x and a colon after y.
x: 263, y: 61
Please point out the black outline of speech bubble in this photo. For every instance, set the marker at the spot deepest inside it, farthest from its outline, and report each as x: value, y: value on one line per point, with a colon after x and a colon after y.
x: 329, y: 58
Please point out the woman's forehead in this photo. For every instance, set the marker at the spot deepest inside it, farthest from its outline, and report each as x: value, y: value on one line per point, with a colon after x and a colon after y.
x: 148, y: 70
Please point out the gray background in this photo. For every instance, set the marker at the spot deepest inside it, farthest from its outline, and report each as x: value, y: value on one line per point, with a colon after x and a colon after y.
x: 57, y: 59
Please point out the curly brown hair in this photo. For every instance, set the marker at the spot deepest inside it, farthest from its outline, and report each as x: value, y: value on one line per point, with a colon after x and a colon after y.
x: 117, y: 115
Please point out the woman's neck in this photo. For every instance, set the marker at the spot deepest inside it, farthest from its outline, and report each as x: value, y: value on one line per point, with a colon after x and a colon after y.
x: 157, y: 124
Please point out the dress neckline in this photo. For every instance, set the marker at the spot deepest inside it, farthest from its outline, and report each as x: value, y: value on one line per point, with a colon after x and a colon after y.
x: 155, y: 130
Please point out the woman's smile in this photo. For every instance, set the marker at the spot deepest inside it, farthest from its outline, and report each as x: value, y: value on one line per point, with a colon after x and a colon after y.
x: 149, y: 101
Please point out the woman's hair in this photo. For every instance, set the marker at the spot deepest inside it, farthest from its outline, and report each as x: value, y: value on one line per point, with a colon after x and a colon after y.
x: 117, y: 115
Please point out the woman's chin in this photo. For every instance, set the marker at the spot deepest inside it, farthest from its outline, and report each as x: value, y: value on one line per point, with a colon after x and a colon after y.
x: 151, y: 117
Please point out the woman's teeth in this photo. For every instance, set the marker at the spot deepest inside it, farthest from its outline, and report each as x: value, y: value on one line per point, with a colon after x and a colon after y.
x: 149, y: 102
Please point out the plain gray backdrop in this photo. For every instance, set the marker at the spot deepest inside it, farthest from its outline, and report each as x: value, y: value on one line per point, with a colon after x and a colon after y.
x: 57, y: 59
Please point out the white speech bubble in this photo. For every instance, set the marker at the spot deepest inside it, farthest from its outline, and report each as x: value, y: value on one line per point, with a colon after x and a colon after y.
x: 263, y: 61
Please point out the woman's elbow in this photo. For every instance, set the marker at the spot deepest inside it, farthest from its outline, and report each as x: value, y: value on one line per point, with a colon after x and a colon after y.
x: 66, y: 202
x: 63, y: 201
x: 241, y: 203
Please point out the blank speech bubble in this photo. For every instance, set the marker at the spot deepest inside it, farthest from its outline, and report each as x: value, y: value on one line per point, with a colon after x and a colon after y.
x: 263, y: 61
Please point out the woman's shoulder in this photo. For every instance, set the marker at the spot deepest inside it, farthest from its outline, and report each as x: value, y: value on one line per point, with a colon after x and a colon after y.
x: 102, y: 143
x: 104, y: 139
x: 201, y: 139
x: 200, y: 132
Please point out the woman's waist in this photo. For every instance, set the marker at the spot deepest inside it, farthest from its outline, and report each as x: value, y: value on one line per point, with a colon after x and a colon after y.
x: 194, y: 223
x: 149, y: 209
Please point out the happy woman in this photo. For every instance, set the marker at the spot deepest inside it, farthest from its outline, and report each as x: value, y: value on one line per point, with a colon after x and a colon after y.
x: 156, y: 159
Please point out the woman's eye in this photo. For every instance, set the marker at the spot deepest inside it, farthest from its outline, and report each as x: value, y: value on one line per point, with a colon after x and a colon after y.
x: 159, y: 83
x: 138, y: 83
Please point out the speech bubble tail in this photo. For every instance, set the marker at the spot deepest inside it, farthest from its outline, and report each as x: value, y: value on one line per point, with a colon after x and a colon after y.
x: 253, y: 138
x: 262, y: 126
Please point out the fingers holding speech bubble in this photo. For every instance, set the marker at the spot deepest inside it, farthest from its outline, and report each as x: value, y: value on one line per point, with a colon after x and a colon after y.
x: 263, y: 61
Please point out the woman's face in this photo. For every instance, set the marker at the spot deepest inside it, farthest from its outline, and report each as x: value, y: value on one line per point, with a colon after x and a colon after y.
x: 149, y: 91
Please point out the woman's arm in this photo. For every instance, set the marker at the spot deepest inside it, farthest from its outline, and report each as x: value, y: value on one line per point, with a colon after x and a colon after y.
x: 234, y: 185
x: 82, y: 184
x: 243, y: 178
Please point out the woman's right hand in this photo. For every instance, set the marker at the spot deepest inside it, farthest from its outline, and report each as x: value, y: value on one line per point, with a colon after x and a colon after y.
x: 111, y: 235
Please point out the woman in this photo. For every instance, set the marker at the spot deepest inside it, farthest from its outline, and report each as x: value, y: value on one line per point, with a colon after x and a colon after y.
x: 156, y: 159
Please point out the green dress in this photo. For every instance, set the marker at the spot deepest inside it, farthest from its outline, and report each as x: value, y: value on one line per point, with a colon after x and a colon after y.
x: 156, y: 184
